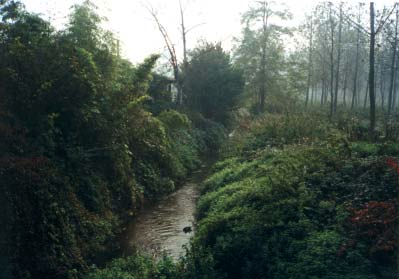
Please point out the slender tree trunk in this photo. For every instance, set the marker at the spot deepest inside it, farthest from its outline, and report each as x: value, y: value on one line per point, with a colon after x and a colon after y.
x: 366, y: 98
x: 345, y: 81
x: 338, y: 60
x: 371, y: 72
x: 331, y: 64
x: 393, y: 70
x: 312, y: 96
x: 395, y: 93
x: 172, y: 52
x: 395, y: 102
x: 184, y: 38
x: 327, y: 92
x: 263, y: 58
x: 323, y: 83
x: 354, y: 95
x: 382, y: 83
x: 183, y: 33
x: 309, y: 62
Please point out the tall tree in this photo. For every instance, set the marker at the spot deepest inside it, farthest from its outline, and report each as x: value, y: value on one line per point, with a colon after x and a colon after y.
x: 173, y: 59
x: 212, y: 83
x: 310, y: 62
x: 337, y: 73
x: 373, y: 33
x: 371, y: 70
x: 355, y: 78
x: 178, y: 70
x: 260, y: 51
x: 332, y: 62
x: 393, y: 65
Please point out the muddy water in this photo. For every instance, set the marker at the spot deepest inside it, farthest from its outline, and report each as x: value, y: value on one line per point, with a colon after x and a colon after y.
x: 158, y: 228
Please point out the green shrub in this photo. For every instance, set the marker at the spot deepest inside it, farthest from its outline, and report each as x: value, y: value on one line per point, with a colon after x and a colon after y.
x: 174, y: 120
x: 137, y: 267
x: 210, y: 134
x: 286, y: 212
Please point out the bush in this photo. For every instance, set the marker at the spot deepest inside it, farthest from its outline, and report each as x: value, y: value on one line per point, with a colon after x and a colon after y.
x: 294, y: 205
x: 174, y: 120
x: 210, y: 135
x: 137, y: 267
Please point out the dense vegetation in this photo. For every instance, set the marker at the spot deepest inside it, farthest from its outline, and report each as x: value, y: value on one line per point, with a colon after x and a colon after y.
x: 293, y: 200
x: 306, y: 185
x: 80, y: 149
x: 300, y: 201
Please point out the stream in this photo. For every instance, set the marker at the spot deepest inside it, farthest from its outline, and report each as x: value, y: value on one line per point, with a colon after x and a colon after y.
x: 158, y: 228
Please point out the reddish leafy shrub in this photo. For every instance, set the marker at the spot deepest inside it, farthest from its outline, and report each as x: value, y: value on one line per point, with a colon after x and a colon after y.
x: 393, y: 164
x: 375, y: 224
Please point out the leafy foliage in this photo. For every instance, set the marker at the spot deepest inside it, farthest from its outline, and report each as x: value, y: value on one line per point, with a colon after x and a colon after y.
x: 300, y: 205
x: 137, y: 266
x: 86, y: 137
x: 79, y: 150
x: 212, y: 84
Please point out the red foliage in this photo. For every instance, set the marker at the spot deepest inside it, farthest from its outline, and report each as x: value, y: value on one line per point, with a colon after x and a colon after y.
x: 393, y: 164
x: 375, y: 223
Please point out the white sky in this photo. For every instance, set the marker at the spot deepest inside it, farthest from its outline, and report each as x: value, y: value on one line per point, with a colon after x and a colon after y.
x: 139, y: 36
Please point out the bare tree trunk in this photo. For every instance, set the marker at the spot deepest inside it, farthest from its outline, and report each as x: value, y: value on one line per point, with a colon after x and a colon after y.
x: 395, y: 93
x: 371, y: 72
x: 338, y: 60
x: 183, y: 33
x: 331, y: 64
x: 355, y: 81
x: 262, y: 91
x: 323, y: 83
x: 346, y: 80
x: 366, y: 97
x: 327, y: 93
x: 312, y: 96
x: 393, y: 70
x: 382, y: 83
x: 172, y: 53
x: 309, y: 62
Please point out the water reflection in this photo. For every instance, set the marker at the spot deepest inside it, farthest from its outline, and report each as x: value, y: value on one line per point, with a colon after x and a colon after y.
x: 159, y: 227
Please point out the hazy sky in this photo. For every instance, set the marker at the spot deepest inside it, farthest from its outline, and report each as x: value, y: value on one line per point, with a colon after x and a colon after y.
x: 129, y: 20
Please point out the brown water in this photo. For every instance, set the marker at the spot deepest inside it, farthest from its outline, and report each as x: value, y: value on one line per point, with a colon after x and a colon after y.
x: 158, y: 228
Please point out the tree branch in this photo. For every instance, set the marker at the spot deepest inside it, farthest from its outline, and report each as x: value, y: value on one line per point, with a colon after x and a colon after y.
x: 165, y: 35
x: 384, y: 21
x: 353, y: 23
x: 195, y: 26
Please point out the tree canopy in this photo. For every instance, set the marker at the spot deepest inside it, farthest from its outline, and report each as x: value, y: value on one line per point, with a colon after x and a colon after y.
x: 212, y: 84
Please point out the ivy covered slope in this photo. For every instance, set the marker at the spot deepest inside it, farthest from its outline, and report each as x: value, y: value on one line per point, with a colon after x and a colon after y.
x: 298, y: 198
x: 79, y: 147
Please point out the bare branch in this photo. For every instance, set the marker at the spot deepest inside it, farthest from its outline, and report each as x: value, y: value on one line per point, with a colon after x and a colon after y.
x: 385, y: 20
x: 353, y: 23
x: 165, y: 35
x: 195, y: 26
